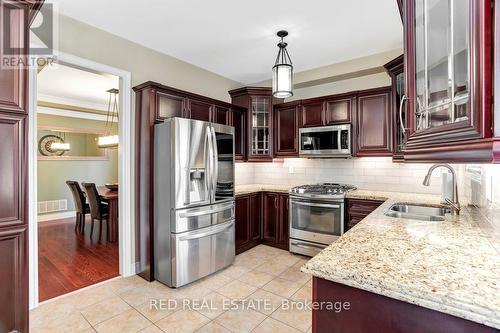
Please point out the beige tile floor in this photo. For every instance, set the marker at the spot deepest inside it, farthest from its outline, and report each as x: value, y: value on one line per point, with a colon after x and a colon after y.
x: 249, y: 296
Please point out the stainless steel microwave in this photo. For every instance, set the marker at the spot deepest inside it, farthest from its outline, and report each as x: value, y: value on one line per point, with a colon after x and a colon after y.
x: 325, y: 141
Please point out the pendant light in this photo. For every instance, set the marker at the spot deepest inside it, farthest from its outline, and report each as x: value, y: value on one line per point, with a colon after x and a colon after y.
x: 110, y: 140
x: 62, y: 145
x: 282, y: 70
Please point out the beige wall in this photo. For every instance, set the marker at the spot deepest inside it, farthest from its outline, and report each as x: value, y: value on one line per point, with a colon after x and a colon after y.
x: 356, y: 74
x: 52, y: 175
x: 145, y: 64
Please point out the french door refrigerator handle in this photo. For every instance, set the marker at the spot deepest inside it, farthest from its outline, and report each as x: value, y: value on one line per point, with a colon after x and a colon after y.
x: 208, y: 149
x: 213, y: 231
x: 206, y: 212
x: 210, y: 163
x: 215, y: 170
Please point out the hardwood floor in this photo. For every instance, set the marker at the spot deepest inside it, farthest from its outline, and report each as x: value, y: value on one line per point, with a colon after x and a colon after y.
x: 68, y: 261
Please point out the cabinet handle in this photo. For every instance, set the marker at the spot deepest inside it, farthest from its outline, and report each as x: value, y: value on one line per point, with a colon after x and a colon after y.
x: 401, y: 123
x: 276, y: 202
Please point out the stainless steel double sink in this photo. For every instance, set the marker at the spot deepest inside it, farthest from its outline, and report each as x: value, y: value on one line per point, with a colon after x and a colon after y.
x: 418, y: 212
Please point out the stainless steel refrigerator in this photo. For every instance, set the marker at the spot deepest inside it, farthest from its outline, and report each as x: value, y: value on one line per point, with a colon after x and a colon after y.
x: 193, y: 200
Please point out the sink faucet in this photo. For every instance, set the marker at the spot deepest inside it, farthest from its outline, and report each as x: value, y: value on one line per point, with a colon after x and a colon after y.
x: 454, y: 204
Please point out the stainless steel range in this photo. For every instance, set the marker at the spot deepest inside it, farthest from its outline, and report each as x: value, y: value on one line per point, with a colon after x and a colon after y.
x: 316, y: 216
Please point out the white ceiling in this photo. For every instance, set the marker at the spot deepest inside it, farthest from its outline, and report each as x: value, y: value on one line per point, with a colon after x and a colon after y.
x: 68, y: 85
x: 236, y: 38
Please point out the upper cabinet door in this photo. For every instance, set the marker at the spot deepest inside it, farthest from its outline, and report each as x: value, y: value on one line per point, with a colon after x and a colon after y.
x: 14, y: 75
x: 199, y: 110
x: 313, y: 114
x: 221, y: 115
x: 374, y: 125
x: 286, y: 131
x: 448, y: 69
x: 168, y: 106
x: 338, y: 111
x: 237, y: 120
x: 260, y: 128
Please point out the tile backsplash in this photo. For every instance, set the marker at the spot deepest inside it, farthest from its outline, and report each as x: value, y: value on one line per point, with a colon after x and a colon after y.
x: 370, y: 173
x: 480, y: 185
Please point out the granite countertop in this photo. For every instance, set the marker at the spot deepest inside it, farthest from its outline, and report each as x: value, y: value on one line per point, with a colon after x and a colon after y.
x: 451, y: 266
x: 253, y: 188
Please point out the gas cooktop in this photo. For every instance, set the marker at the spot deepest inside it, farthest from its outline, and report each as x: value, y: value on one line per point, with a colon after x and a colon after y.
x: 326, y: 190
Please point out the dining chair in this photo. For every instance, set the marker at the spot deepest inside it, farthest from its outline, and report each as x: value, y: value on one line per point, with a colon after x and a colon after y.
x: 81, y: 206
x: 98, y: 209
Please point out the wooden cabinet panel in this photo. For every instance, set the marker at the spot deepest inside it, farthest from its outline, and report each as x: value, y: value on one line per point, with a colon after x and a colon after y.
x: 284, y: 224
x: 358, y: 209
x: 395, y: 69
x: 368, y: 310
x: 313, y: 114
x: 286, y: 131
x: 242, y: 221
x: 373, y: 123
x: 338, y: 111
x: 270, y: 218
x: 13, y: 81
x: 14, y: 277
x: 262, y: 217
x: 199, y: 110
x: 169, y: 106
x: 12, y: 152
x: 248, y: 221
x: 221, y: 115
x: 255, y: 216
x: 238, y: 118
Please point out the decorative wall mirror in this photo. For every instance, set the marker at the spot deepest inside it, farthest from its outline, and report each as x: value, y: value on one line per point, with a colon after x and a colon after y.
x: 58, y: 143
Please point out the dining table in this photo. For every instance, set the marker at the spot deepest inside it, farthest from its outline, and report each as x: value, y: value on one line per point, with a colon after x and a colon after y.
x: 111, y: 197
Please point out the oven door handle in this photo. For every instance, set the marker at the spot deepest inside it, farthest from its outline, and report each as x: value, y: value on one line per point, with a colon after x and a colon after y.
x: 308, y: 247
x: 310, y: 204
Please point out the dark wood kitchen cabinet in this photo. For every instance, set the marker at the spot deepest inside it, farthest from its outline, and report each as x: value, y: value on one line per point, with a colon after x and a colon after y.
x: 261, y: 217
x: 169, y: 105
x: 448, y: 59
x: 259, y: 102
x: 338, y: 111
x: 284, y: 224
x: 374, y: 123
x: 248, y: 221
x: 395, y: 69
x: 221, y: 115
x: 368, y: 310
x: 358, y: 209
x: 286, y: 130
x: 200, y: 110
x: 313, y: 113
x: 16, y: 17
x: 155, y: 103
x: 275, y: 227
x: 327, y: 110
x: 237, y: 119
x: 270, y: 218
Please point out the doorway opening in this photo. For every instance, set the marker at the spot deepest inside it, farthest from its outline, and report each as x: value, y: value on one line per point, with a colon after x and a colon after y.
x: 80, y: 177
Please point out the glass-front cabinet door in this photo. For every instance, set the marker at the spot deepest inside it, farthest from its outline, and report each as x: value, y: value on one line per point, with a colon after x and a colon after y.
x: 442, y: 62
x: 260, y: 140
x: 447, y: 59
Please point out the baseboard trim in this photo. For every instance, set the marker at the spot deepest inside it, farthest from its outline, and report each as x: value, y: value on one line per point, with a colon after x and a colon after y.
x: 55, y: 216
